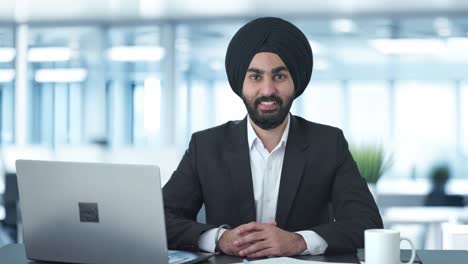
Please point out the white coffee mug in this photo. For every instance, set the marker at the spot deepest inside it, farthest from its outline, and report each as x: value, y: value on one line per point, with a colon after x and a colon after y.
x: 382, y: 246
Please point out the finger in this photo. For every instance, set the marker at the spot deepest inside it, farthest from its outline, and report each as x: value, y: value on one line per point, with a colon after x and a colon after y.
x: 259, y: 246
x: 250, y: 238
x: 272, y: 223
x: 247, y: 228
x: 244, y: 247
x: 267, y: 252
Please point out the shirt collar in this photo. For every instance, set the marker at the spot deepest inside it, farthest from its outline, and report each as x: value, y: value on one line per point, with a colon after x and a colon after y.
x: 252, y: 136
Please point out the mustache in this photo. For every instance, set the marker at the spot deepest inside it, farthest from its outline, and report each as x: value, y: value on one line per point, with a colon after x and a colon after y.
x: 271, y: 98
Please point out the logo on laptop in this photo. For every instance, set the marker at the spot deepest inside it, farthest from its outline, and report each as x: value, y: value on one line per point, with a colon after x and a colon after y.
x: 88, y: 212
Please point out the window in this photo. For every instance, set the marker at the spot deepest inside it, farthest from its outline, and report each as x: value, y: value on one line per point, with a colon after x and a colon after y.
x: 135, y: 56
x: 464, y: 119
x: 369, y: 113
x: 6, y: 112
x: 425, y: 123
x: 228, y: 105
x: 62, y: 74
x: 201, y: 106
x: 323, y: 102
x: 146, y: 111
x: 182, y: 133
x: 7, y: 79
x: 204, y: 96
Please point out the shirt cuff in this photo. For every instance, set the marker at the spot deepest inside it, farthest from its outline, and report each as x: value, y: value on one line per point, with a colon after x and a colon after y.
x: 316, y: 245
x: 206, y: 242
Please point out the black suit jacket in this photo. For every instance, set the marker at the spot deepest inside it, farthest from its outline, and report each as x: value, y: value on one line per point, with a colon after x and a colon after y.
x: 318, y: 174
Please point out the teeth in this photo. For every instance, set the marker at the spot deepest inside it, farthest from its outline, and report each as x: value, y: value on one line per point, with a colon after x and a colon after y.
x: 268, y: 103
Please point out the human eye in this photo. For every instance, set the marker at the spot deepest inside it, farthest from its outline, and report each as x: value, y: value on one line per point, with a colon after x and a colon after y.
x: 279, y: 76
x: 255, y: 77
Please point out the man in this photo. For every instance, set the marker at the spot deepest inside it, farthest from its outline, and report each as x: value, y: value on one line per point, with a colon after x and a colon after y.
x: 272, y: 184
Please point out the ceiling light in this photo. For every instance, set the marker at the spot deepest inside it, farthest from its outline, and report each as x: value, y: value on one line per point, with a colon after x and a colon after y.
x: 408, y: 46
x: 343, y: 25
x: 60, y: 75
x: 7, y: 54
x: 136, y: 53
x: 49, y: 54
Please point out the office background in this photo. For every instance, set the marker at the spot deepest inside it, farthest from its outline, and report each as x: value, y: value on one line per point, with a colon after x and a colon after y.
x: 130, y: 81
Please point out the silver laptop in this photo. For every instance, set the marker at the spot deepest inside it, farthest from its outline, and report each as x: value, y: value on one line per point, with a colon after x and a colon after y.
x: 94, y: 213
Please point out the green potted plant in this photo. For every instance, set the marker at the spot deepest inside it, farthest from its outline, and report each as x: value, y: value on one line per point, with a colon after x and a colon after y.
x: 372, y: 162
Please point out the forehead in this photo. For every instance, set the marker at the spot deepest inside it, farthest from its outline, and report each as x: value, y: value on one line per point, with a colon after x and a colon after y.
x: 266, y: 60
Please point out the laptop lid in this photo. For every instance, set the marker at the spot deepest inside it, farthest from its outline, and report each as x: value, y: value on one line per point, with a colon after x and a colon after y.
x: 92, y: 212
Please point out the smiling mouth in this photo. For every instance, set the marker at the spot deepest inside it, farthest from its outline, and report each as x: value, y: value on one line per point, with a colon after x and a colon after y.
x: 268, y: 105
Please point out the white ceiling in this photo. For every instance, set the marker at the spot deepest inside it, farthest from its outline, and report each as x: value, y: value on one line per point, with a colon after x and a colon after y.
x: 62, y: 10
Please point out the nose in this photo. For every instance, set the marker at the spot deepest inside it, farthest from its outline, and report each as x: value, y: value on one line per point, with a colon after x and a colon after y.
x: 268, y: 87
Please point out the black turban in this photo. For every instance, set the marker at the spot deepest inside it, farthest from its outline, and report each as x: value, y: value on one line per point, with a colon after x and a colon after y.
x: 269, y: 34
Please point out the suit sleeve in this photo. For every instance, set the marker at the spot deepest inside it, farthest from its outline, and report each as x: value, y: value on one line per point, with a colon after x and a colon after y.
x: 182, y: 200
x: 354, y: 208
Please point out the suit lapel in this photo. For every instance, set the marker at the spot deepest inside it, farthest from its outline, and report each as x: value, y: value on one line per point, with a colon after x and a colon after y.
x: 238, y: 162
x: 292, y: 171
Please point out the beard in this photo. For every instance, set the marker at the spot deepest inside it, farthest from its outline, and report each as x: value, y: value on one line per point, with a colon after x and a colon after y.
x: 268, y: 119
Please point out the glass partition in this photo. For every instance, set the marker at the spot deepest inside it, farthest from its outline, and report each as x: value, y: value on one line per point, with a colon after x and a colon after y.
x: 153, y: 84
x: 7, y: 80
x: 62, y: 63
x: 136, y: 82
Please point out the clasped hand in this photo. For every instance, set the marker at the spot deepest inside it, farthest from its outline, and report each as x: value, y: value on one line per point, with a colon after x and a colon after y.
x: 255, y: 240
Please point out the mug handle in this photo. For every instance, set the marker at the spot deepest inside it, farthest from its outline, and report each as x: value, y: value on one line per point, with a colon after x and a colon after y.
x: 413, y: 250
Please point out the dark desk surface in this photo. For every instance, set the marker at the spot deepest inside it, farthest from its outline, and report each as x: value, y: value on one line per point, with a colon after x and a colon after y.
x: 14, y: 254
x: 348, y: 258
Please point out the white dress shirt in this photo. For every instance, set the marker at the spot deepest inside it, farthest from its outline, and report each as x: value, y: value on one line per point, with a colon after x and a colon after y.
x: 266, y: 175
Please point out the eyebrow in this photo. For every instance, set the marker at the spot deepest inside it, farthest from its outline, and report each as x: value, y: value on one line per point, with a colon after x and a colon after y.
x: 279, y: 69
x: 273, y: 71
